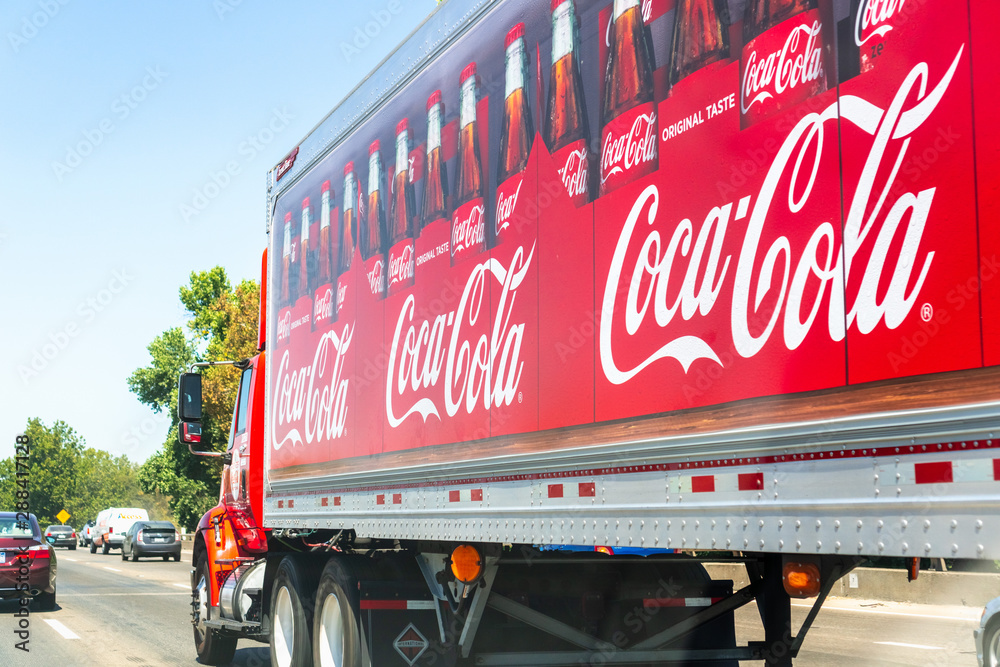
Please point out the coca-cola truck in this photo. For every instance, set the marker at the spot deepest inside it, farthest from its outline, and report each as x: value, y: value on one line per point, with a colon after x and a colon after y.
x: 735, y: 301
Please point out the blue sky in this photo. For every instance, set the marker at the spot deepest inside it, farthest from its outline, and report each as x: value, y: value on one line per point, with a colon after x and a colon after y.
x: 119, y: 121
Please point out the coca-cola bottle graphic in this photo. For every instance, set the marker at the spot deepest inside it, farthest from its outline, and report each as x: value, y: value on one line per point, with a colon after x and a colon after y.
x: 701, y: 36
x: 372, y: 225
x: 349, y: 226
x: 628, y: 111
x: 285, y: 292
x: 468, y: 228
x: 304, y: 249
x: 323, y: 299
x: 565, y: 129
x: 285, y: 296
x: 435, y: 203
x: 516, y: 130
x: 327, y: 258
x: 402, y: 259
x: 783, y: 59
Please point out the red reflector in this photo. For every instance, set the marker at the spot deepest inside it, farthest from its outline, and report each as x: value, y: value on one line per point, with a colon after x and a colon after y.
x: 751, y: 481
x: 937, y: 472
x: 703, y: 484
x: 383, y: 604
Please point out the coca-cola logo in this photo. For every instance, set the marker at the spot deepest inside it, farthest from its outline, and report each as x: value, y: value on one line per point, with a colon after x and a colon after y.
x: 636, y: 293
x: 341, y: 295
x: 625, y: 151
x: 436, y: 367
x: 376, y: 277
x: 285, y: 326
x: 574, y: 172
x: 313, y: 397
x: 873, y: 16
x: 799, y: 61
x: 505, y: 206
x: 470, y: 232
x: 323, y: 307
x: 401, y: 265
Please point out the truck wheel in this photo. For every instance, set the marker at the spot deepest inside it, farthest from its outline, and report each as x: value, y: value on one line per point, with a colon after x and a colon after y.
x: 336, y: 638
x: 105, y: 548
x: 212, y: 648
x: 291, y: 616
x: 991, y: 645
x: 93, y: 548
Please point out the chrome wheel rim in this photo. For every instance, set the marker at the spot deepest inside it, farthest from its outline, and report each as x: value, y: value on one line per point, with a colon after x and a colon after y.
x: 331, y: 633
x: 992, y: 651
x: 201, y: 591
x: 284, y: 627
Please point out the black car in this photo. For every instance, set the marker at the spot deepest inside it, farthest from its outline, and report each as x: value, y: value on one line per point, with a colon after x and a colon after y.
x: 22, y: 545
x: 151, y: 538
x: 59, y: 535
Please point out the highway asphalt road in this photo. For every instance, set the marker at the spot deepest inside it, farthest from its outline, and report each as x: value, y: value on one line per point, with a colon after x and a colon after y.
x: 112, y: 612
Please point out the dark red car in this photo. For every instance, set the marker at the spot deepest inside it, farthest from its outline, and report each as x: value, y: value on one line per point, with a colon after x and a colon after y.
x: 21, y: 543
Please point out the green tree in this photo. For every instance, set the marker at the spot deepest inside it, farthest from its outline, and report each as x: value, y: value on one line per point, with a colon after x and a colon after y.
x: 223, y: 325
x: 65, y: 474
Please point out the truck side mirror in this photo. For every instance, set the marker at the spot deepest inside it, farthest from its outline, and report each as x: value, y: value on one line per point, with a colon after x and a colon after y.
x: 190, y: 433
x: 189, y: 398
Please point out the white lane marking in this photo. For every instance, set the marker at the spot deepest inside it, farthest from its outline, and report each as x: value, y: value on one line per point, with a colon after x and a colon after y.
x: 101, y: 595
x: 928, y: 648
x: 70, y: 559
x: 111, y: 568
x: 889, y: 613
x: 181, y: 585
x: 61, y: 629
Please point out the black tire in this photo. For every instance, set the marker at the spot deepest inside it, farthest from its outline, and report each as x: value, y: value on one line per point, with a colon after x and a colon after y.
x: 46, y: 601
x: 134, y: 554
x: 105, y: 548
x: 212, y: 648
x: 991, y: 644
x: 292, y: 614
x: 93, y: 547
x: 177, y: 557
x: 336, y: 625
x: 72, y: 547
x: 124, y: 555
x: 166, y: 558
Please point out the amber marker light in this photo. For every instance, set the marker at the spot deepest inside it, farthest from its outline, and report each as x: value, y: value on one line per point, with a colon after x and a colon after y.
x: 801, y: 579
x: 466, y: 563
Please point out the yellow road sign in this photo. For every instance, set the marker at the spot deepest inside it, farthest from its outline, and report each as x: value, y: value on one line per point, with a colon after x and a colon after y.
x: 62, y: 516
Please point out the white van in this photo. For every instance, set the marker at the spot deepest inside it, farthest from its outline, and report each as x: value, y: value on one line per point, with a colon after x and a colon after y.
x: 112, y: 524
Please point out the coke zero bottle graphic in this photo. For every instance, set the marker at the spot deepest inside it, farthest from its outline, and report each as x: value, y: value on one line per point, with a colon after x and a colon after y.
x: 436, y: 179
x: 565, y: 129
x: 372, y: 226
x: 782, y: 63
x: 348, y: 230
x: 468, y: 228
x: 701, y: 36
x: 628, y: 111
x: 516, y: 130
x: 285, y: 297
x: 304, y: 249
x: 401, y: 215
